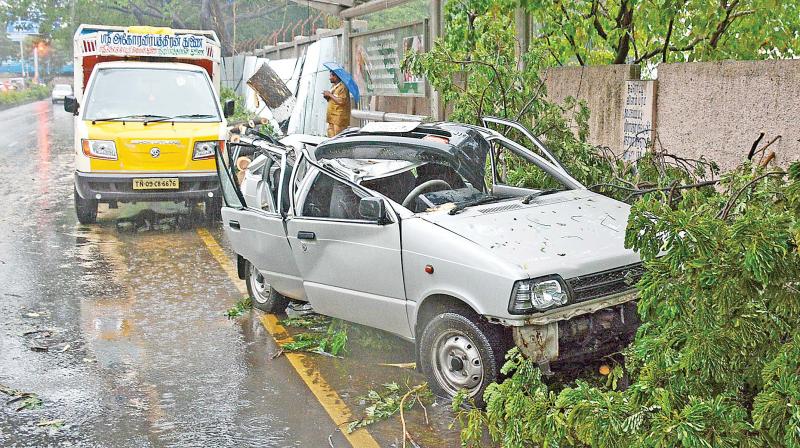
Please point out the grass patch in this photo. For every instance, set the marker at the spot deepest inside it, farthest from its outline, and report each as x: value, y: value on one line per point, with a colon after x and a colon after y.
x: 16, y: 97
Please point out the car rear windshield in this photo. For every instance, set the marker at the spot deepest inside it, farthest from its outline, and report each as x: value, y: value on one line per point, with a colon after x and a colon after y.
x: 147, y: 92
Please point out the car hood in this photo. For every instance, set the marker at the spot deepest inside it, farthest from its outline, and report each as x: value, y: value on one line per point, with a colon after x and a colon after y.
x: 570, y: 233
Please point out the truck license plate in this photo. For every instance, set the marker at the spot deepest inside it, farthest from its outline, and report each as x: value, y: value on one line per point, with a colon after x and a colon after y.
x: 156, y: 183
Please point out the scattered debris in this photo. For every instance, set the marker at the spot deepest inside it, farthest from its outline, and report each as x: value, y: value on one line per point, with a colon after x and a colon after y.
x: 32, y: 315
x: 333, y: 342
x: 316, y: 322
x: 245, y: 304
x: 383, y: 405
x: 44, y: 332
x: 55, y: 423
x: 401, y: 365
x: 39, y: 348
x: 24, y: 400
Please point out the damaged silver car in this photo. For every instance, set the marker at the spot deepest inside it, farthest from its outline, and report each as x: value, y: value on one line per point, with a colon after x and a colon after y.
x: 434, y: 233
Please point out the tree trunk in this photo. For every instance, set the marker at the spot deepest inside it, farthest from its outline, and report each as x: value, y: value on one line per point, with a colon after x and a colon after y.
x: 217, y: 23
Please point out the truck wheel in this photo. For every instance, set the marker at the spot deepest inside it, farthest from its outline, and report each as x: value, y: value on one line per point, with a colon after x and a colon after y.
x: 264, y: 297
x: 213, y: 209
x: 459, y: 350
x: 86, y: 209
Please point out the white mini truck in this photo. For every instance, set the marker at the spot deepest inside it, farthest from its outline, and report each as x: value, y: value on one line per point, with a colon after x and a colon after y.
x: 397, y: 226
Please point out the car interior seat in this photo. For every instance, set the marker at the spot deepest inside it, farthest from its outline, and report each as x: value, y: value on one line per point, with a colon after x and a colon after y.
x: 393, y: 187
x: 344, y: 202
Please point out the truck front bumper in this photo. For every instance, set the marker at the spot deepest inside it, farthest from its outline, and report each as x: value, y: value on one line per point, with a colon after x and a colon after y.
x: 583, y: 337
x: 119, y: 187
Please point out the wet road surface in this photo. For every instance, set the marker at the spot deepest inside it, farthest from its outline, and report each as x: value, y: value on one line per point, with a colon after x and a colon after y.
x: 119, y: 328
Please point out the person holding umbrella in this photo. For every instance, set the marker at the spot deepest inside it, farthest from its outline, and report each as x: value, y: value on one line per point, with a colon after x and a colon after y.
x: 338, y: 113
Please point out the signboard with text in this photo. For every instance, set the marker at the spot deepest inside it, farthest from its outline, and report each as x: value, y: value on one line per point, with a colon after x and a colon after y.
x: 19, y: 30
x: 638, y: 119
x: 376, y: 58
x: 160, y: 45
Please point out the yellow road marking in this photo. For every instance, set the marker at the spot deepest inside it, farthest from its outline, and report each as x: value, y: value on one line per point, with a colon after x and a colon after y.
x: 326, y: 395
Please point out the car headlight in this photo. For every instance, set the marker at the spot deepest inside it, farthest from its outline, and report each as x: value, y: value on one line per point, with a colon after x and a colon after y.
x: 99, y: 149
x: 205, y: 150
x: 537, y: 294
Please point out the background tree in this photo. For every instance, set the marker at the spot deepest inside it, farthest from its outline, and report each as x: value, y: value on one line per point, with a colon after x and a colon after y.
x: 253, y: 18
x: 590, y: 32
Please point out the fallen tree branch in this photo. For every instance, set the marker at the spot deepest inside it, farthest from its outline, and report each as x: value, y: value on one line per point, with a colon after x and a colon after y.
x: 723, y: 214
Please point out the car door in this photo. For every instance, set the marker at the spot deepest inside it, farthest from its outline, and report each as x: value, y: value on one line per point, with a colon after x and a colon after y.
x: 257, y: 232
x: 351, y: 266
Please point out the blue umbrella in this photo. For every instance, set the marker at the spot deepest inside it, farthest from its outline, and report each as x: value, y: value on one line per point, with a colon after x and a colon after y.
x: 345, y: 77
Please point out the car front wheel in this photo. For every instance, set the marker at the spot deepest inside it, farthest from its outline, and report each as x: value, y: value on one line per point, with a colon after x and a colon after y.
x: 264, y: 297
x: 459, y: 350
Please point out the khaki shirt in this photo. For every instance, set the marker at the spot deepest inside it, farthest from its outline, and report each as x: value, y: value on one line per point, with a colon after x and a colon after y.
x: 336, y: 114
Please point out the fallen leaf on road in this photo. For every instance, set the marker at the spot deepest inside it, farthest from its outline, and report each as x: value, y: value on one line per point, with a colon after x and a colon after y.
x: 57, y: 423
x: 66, y: 347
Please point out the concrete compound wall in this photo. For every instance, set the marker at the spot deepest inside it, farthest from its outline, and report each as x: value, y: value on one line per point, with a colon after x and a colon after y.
x: 713, y: 109
x: 603, y: 89
x: 719, y: 109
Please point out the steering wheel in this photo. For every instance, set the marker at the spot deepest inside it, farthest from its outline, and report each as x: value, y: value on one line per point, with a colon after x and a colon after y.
x: 422, y: 187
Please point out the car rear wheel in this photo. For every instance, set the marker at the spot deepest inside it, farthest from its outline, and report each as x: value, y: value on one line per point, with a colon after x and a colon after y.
x: 86, y: 209
x: 459, y: 350
x: 264, y: 297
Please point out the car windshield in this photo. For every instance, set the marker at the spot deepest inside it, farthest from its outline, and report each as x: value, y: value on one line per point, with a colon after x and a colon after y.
x: 62, y: 87
x: 148, y: 92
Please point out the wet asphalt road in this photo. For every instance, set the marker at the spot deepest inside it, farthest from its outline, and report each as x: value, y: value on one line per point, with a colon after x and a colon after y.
x: 119, y: 328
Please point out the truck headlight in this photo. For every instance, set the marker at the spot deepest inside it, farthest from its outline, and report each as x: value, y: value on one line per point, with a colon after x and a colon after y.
x: 99, y: 149
x: 537, y: 294
x: 205, y: 150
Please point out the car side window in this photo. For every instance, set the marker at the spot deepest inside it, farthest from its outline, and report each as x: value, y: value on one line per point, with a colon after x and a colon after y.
x: 331, y: 198
x: 512, y: 170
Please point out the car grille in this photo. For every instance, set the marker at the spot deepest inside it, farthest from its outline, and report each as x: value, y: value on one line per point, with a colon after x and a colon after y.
x: 606, y: 283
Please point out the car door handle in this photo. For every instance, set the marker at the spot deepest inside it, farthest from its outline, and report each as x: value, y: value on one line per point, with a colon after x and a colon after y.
x: 234, y: 225
x: 303, y: 235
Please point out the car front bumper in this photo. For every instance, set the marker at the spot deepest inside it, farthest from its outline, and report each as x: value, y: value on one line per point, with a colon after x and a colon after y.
x: 583, y: 337
x: 119, y: 187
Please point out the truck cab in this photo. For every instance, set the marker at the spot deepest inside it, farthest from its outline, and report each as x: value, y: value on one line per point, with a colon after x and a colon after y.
x: 147, y: 117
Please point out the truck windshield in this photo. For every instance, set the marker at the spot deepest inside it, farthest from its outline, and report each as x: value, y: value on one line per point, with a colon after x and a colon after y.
x: 147, y: 92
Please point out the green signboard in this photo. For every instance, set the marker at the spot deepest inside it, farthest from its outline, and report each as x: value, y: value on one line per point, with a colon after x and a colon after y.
x: 376, y: 58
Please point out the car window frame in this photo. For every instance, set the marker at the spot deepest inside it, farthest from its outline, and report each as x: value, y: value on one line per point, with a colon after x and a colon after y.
x: 219, y: 156
x: 553, y: 170
x: 312, y: 172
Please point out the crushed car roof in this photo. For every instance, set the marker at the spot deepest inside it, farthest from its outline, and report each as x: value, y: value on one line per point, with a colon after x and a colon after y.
x: 458, y: 146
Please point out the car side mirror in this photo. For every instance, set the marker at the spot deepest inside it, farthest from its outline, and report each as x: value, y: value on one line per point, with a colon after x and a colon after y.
x: 373, y: 209
x: 71, y: 105
x: 228, y: 108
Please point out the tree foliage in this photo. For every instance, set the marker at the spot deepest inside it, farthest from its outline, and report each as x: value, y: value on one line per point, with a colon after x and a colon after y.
x: 590, y: 32
x: 619, y: 31
x: 715, y: 362
x: 252, y: 19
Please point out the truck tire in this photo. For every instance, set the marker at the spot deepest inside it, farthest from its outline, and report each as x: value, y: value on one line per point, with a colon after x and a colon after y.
x: 460, y: 350
x: 264, y: 297
x: 213, y: 209
x: 86, y: 209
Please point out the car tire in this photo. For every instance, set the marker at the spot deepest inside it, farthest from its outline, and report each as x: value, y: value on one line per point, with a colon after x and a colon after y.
x: 85, y: 209
x: 460, y: 350
x: 264, y: 297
